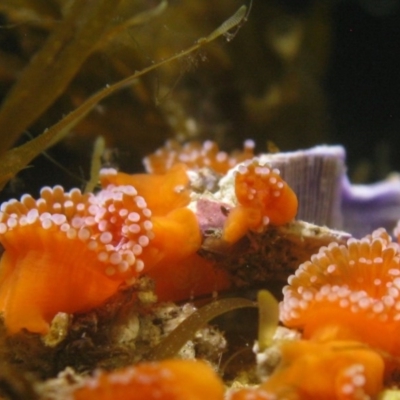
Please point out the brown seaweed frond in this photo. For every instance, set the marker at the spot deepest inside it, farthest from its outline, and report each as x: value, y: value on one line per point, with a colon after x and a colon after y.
x: 53, y: 68
x: 43, y: 13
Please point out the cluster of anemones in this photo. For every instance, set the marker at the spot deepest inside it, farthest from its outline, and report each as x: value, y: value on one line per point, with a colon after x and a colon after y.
x: 346, y: 302
x: 70, y: 252
x: 196, y: 155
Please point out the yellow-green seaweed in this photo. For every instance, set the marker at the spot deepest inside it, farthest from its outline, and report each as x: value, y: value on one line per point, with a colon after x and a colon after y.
x: 268, y: 318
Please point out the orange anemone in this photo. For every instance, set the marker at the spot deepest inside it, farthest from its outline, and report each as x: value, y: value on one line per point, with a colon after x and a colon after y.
x: 163, y: 192
x: 337, y: 370
x: 69, y: 252
x: 348, y: 292
x: 176, y: 231
x: 164, y: 380
x: 179, y: 272
x: 263, y: 198
x: 196, y: 155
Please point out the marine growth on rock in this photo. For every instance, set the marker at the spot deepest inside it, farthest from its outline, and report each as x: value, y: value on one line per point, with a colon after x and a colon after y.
x: 71, y: 252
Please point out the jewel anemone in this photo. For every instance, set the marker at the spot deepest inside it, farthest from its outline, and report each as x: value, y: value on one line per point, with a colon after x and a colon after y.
x: 69, y: 252
x: 349, y: 292
x: 179, y: 272
x: 335, y: 370
x: 196, y: 155
x: 263, y: 198
x: 163, y: 380
x: 176, y: 230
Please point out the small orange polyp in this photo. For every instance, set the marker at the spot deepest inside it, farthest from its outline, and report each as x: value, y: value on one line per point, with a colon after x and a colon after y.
x: 263, y: 198
x: 239, y: 221
x: 163, y: 380
x: 335, y: 370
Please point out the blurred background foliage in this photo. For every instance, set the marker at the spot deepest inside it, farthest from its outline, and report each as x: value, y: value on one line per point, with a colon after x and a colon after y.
x: 296, y: 74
